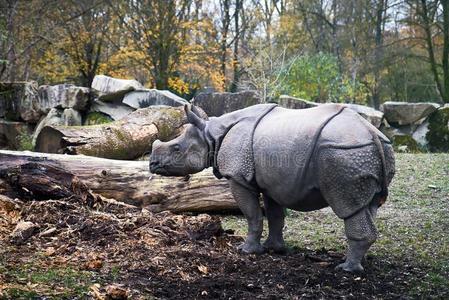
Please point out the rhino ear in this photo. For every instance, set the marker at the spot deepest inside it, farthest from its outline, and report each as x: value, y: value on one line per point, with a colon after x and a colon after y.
x: 193, y: 119
x: 199, y: 112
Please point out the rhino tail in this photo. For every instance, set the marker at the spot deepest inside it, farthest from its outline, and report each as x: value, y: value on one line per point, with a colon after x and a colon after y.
x: 384, y: 192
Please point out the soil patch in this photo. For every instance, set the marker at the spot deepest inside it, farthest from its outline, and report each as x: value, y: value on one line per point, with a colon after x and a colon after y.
x: 168, y: 256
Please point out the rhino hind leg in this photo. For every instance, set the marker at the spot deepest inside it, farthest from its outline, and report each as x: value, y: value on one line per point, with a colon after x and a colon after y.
x: 361, y: 233
x: 275, y: 215
x: 248, y: 202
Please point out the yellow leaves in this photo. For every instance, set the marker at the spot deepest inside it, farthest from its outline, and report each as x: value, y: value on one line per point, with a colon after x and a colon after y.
x: 55, y: 67
x: 178, y: 85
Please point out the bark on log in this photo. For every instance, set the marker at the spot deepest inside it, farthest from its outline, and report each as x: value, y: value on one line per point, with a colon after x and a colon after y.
x: 128, y: 138
x: 126, y: 181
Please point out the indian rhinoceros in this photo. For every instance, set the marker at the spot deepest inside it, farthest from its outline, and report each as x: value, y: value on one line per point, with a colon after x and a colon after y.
x: 304, y: 160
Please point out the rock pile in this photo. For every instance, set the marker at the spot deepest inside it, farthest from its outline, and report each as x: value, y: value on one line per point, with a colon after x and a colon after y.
x: 26, y: 108
x: 412, y: 127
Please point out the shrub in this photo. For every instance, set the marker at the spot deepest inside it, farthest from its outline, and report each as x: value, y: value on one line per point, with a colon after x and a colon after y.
x: 317, y: 78
x: 438, y: 134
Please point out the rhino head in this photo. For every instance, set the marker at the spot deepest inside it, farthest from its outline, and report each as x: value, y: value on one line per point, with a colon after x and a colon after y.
x: 186, y: 154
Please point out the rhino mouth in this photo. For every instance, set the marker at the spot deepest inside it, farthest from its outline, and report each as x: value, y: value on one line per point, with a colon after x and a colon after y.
x: 159, y: 170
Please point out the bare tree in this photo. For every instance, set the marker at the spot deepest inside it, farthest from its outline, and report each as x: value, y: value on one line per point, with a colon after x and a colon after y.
x: 432, y: 16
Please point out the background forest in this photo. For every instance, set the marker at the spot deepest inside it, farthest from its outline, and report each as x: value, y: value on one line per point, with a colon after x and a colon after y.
x: 359, y: 51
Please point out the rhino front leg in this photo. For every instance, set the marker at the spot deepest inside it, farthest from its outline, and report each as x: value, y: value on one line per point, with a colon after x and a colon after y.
x: 361, y: 233
x: 248, y: 202
x: 275, y: 215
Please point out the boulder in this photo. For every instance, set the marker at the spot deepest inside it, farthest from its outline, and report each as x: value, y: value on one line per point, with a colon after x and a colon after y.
x: 438, y: 134
x: 217, y: 104
x: 113, y: 89
x: 407, y: 138
x: 373, y: 116
x: 19, y: 101
x: 145, y: 98
x: 116, y: 111
x: 22, y: 232
x: 295, y: 103
x: 63, y: 96
x: 405, y: 143
x: 370, y: 114
x: 71, y: 117
x: 404, y: 113
x: 11, y: 134
x: 55, y: 117
x: 419, y: 135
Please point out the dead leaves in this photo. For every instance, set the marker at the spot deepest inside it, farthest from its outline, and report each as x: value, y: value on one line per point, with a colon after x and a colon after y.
x: 203, y: 269
x: 110, y: 292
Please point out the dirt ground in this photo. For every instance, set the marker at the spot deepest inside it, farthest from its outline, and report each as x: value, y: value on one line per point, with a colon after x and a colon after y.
x: 77, y: 251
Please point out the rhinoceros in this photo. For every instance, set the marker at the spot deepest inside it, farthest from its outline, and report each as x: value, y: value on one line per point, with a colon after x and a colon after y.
x: 303, y: 160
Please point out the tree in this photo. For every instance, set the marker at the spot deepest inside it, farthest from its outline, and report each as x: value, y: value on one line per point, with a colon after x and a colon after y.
x: 157, y: 29
x: 84, y: 26
x: 431, y: 17
x: 21, y: 31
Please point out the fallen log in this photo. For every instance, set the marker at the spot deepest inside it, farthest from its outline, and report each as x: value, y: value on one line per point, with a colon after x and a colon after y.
x: 126, y: 181
x: 127, y: 138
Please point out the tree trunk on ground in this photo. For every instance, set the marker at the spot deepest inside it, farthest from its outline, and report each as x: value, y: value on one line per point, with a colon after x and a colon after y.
x: 39, y: 175
x: 128, y: 138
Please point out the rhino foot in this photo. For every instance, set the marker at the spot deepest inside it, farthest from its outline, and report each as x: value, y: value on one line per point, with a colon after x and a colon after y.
x: 274, y: 246
x: 251, y: 248
x: 350, y: 267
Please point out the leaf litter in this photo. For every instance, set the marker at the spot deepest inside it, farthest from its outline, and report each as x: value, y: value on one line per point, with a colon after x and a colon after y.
x: 133, y: 253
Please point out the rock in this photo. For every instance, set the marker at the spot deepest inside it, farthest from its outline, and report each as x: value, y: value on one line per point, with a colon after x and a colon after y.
x: 56, y: 117
x: 63, y: 96
x: 402, y: 137
x: 217, y: 104
x: 22, y: 232
x: 373, y: 116
x: 405, y: 143
x: 114, y: 110
x: 71, y: 117
x: 419, y: 135
x: 113, y: 89
x: 438, y: 134
x: 370, y: 114
x: 145, y: 98
x: 19, y: 101
x: 295, y: 103
x: 11, y: 134
x: 404, y: 113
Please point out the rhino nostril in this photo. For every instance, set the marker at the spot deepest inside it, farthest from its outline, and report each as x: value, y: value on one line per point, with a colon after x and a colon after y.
x: 154, y: 164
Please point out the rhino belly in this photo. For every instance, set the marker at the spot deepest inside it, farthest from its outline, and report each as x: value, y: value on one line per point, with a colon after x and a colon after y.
x: 313, y: 200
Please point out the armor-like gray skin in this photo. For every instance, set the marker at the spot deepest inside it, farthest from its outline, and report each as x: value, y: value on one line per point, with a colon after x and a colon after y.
x: 300, y: 159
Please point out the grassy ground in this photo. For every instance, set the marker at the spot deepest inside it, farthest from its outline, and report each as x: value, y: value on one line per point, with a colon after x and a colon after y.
x: 413, y: 224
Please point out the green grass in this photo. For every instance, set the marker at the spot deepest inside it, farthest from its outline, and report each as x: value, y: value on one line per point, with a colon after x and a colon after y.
x: 32, y: 280
x: 413, y: 225
x: 25, y: 142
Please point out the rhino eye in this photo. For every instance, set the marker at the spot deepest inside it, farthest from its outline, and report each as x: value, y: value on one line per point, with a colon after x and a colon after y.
x: 176, y: 148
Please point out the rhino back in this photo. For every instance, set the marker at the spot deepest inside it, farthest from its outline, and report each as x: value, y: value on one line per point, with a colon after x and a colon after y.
x: 286, y: 149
